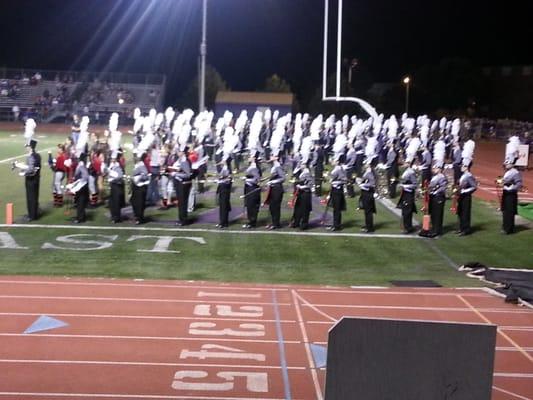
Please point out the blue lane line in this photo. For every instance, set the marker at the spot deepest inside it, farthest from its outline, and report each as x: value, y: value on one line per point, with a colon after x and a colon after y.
x: 281, y: 346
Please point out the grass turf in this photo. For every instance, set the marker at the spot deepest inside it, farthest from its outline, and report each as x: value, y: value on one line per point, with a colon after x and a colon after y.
x: 254, y: 258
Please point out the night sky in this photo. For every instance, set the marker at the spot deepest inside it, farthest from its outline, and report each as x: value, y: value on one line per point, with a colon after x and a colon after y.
x: 249, y: 40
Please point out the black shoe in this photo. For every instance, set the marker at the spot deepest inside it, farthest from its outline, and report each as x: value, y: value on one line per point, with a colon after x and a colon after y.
x: 366, y: 230
x: 179, y: 223
x: 463, y: 233
x: 273, y: 227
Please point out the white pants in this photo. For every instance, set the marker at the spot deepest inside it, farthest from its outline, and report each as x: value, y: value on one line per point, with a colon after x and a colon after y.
x: 191, y: 203
x: 56, y: 184
x: 92, y: 184
x: 166, y: 186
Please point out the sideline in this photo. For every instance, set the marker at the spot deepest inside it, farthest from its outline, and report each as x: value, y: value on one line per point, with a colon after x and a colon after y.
x: 204, y: 230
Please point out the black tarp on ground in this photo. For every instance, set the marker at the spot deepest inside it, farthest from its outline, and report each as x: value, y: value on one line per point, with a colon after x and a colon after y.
x: 513, y: 283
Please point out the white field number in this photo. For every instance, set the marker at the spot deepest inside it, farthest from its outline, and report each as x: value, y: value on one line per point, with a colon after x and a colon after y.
x: 256, y: 382
x: 209, y: 329
x: 217, y: 351
x: 205, y: 310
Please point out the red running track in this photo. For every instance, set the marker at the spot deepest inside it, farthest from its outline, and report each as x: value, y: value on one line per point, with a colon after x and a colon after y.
x: 192, y: 340
x: 488, y: 160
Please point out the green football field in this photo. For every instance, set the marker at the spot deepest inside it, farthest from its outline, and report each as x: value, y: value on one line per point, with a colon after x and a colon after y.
x: 54, y: 246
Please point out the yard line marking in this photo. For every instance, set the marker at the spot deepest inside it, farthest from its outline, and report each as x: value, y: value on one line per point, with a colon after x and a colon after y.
x: 440, y: 253
x: 163, y: 317
x: 135, y: 284
x: 218, y: 231
x: 316, y: 309
x: 510, y: 393
x: 310, y: 360
x: 167, y: 338
x: 525, y: 353
x: 281, y: 348
x: 128, y: 396
x: 147, y: 364
x: 7, y: 296
x: 24, y: 155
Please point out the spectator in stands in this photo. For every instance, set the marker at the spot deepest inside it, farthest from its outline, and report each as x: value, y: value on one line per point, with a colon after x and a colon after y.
x: 75, y: 128
x: 16, y: 112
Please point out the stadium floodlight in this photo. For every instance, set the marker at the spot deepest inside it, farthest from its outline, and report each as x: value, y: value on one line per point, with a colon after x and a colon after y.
x: 407, y: 82
x: 364, y: 105
x: 203, y: 53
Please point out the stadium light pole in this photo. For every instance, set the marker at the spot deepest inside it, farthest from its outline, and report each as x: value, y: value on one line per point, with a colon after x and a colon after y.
x: 407, y: 82
x: 203, y: 53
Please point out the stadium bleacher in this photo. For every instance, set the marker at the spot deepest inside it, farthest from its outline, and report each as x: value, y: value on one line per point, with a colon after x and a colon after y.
x: 57, y: 94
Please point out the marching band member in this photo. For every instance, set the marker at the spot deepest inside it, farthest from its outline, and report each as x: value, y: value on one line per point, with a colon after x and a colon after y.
x: 407, y: 197
x: 511, y: 184
x: 465, y: 187
x: 80, y: 189
x: 425, y: 166
x: 32, y: 176
x: 153, y: 196
x: 275, y: 186
x: 336, y: 198
x: 115, y: 175
x: 318, y: 165
x: 457, y: 162
x: 437, y: 198
x: 139, y: 186
x: 59, y: 168
x: 168, y: 158
x: 224, y: 193
x: 303, y: 200
x: 392, y: 168
x: 351, y: 157
x: 95, y: 171
x: 182, y: 182
x: 252, y: 193
x: 366, y: 200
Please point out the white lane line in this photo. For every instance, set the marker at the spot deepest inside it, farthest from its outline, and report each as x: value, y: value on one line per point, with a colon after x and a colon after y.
x: 217, y: 231
x: 512, y: 375
x: 127, y: 396
x: 62, y: 315
x: 135, y: 284
x: 510, y: 393
x: 6, y: 296
x: 150, y: 300
x: 504, y: 348
x: 315, y: 309
x: 418, y: 292
x: 165, y: 338
x: 146, y: 364
x: 488, y: 321
x: 24, y: 155
x: 369, y: 306
x: 310, y: 360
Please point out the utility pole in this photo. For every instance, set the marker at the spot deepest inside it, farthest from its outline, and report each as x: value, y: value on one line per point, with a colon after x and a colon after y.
x: 203, y: 53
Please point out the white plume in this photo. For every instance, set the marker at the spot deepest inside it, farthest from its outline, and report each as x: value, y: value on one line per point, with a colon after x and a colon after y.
x: 468, y: 152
